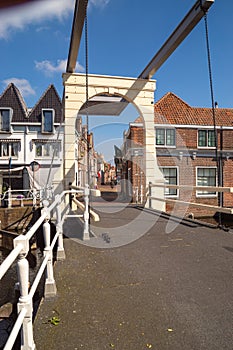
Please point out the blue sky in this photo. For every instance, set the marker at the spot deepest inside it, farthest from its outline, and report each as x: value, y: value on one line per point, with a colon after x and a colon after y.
x: 123, y: 36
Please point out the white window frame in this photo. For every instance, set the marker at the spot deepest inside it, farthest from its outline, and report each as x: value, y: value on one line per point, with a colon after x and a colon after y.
x: 9, y: 146
x: 204, y: 147
x: 43, y: 147
x: 165, y: 137
x: 205, y: 194
x: 177, y: 181
x: 10, y: 119
x: 43, y: 131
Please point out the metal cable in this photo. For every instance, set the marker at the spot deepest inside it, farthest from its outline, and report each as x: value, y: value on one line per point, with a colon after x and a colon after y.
x: 214, y: 115
x: 87, y: 120
x: 87, y: 116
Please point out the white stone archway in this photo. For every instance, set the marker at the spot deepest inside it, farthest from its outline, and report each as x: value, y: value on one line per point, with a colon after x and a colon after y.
x: 140, y: 92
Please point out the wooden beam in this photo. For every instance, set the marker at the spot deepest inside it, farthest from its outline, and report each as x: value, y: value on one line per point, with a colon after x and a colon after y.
x: 197, y: 188
x: 180, y: 33
x: 77, y: 28
x: 197, y: 205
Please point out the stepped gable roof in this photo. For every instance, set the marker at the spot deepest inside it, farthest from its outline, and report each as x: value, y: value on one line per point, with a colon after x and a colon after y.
x: 12, y: 98
x: 171, y: 109
x: 50, y: 99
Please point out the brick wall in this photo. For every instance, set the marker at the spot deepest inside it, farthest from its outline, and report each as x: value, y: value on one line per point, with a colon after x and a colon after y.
x: 14, y: 217
x: 186, y: 141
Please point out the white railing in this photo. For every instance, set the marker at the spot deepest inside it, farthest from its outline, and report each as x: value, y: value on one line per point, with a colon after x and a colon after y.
x: 22, y: 196
x: 58, y: 210
x: 190, y: 188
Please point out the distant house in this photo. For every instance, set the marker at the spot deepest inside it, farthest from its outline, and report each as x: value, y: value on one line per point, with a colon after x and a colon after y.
x: 84, y: 154
x: 186, y: 153
x: 31, y: 140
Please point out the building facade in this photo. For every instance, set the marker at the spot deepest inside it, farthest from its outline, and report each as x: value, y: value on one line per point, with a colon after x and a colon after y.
x: 194, y: 147
x: 31, y: 140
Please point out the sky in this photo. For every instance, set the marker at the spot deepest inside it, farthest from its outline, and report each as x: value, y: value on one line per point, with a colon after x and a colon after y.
x: 123, y: 36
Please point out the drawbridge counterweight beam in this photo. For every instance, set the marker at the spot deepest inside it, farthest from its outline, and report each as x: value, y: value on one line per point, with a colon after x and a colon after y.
x: 77, y: 28
x: 179, y: 34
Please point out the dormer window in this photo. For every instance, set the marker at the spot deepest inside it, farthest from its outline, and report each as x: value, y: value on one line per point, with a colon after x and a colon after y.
x: 5, y: 119
x: 47, y: 120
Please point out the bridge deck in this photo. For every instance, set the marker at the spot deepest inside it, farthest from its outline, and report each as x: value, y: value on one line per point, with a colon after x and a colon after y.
x: 166, y: 291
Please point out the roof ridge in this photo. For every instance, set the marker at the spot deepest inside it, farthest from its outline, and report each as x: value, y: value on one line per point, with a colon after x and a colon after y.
x: 21, y: 99
x: 169, y: 93
x: 51, y: 86
x: 18, y: 95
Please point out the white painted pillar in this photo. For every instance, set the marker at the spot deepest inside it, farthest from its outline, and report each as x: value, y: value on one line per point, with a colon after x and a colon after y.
x: 25, y: 301
x: 86, y: 228
x: 50, y: 285
x: 59, y: 228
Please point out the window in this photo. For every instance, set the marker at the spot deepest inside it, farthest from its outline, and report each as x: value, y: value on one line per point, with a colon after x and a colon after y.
x: 38, y: 150
x: 5, y: 119
x: 19, y: 128
x: 47, y: 120
x: 171, y: 178
x: 34, y: 128
x: 206, y: 138
x: 14, y: 149
x: 47, y: 149
x: 206, y: 177
x: 165, y: 137
x: 9, y: 149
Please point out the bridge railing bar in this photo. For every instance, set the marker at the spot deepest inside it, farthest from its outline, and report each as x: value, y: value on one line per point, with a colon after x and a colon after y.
x: 20, y: 251
x: 87, y: 212
x: 15, y: 330
x: 6, y: 264
x: 196, y: 188
x: 19, y: 195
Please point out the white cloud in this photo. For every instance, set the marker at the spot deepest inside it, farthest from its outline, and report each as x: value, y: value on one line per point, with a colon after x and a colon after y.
x: 98, y: 3
x: 42, y: 29
x: 22, y: 84
x: 49, y: 68
x: 33, y: 12
x: 17, y: 18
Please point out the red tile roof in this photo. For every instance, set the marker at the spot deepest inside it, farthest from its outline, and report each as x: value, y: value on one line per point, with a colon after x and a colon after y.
x: 173, y: 110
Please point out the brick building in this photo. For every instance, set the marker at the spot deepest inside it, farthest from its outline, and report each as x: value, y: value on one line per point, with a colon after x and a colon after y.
x: 186, y: 154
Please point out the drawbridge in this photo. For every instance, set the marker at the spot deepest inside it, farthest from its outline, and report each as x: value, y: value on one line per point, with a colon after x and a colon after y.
x: 89, y: 94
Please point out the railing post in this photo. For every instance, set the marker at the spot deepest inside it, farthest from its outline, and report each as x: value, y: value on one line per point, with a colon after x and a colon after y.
x: 50, y: 285
x: 25, y: 301
x: 34, y: 197
x: 70, y: 195
x: 86, y: 233
x: 150, y: 193
x: 9, y: 197
x: 59, y: 228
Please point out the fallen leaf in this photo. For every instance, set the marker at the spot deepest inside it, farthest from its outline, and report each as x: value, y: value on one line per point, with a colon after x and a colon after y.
x: 54, y: 320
